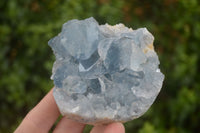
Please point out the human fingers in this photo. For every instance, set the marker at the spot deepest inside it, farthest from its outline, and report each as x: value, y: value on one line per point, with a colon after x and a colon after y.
x: 66, y: 125
x: 111, y: 128
x: 41, y: 118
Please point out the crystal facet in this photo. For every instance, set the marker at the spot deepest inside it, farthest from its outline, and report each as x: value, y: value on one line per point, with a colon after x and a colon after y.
x: 104, y: 73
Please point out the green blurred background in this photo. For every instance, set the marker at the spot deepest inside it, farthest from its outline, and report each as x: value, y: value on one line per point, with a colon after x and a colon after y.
x: 26, y: 59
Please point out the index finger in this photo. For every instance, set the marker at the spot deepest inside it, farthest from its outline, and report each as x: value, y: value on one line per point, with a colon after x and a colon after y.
x: 41, y: 117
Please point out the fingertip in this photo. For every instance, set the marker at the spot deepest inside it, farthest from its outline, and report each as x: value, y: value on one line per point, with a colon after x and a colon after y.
x: 110, y: 128
x: 41, y: 117
x: 115, y: 128
x: 67, y: 125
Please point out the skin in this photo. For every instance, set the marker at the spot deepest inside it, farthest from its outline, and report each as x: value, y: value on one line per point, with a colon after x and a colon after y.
x: 42, y: 117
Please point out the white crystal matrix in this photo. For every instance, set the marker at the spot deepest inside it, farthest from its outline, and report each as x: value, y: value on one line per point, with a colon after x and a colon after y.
x: 104, y: 73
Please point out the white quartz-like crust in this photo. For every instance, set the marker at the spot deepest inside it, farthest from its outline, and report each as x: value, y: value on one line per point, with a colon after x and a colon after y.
x: 104, y: 73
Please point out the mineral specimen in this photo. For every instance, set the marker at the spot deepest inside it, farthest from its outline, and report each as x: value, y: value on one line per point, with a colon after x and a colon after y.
x: 104, y: 73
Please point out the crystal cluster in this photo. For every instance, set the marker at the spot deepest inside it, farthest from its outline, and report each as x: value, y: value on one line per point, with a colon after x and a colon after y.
x: 104, y: 73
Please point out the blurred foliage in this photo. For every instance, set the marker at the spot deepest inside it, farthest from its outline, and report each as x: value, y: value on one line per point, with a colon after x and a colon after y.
x: 26, y: 60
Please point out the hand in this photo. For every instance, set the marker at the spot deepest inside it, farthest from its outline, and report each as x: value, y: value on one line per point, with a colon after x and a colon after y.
x: 42, y: 117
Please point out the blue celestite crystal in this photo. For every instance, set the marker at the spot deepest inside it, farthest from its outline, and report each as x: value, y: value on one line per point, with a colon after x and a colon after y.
x: 104, y: 73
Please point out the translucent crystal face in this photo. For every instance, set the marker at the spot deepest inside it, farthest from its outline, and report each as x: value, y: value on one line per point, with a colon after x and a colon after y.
x: 104, y: 73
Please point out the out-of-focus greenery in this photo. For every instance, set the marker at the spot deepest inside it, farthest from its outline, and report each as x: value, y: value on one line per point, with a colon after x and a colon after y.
x: 26, y: 59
